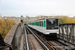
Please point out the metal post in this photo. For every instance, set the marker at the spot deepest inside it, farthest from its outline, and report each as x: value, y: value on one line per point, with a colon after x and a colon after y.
x: 72, y: 39
x: 74, y: 34
x: 59, y: 32
x: 67, y: 32
x: 62, y: 32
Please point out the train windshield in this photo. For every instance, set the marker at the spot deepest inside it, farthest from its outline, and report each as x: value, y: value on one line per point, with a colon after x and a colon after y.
x: 51, y: 24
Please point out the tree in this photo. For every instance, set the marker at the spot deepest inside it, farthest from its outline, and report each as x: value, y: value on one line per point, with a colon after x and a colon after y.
x: 66, y: 19
x: 5, y: 26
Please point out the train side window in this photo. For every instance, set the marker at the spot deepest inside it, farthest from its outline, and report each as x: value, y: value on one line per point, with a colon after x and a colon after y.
x: 39, y: 23
x: 42, y: 23
x: 33, y: 23
x: 36, y: 23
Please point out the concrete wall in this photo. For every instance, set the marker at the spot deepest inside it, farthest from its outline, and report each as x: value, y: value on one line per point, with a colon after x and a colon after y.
x: 13, y: 37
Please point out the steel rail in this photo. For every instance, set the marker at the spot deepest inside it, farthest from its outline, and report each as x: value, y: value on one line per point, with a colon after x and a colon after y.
x: 43, y: 45
x: 66, y: 44
x: 50, y: 44
x: 32, y: 41
x: 27, y: 42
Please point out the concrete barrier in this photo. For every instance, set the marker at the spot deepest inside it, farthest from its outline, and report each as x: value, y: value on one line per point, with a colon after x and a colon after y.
x: 11, y: 35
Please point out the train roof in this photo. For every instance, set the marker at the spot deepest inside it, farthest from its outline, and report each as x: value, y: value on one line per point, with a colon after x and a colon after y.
x: 44, y: 19
x: 48, y: 18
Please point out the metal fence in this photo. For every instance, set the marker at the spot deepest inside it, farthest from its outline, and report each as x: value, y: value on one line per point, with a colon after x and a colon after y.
x: 67, y: 32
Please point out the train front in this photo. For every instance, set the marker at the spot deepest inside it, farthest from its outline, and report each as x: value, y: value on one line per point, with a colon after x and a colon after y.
x: 52, y: 28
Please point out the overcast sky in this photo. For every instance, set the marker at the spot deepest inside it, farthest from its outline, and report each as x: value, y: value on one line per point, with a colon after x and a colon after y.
x: 34, y: 8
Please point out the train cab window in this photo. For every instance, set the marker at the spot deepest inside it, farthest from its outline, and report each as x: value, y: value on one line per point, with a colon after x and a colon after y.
x: 51, y: 23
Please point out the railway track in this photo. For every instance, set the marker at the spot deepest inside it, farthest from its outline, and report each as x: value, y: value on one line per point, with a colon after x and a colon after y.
x: 48, y: 44
x: 61, y: 45
x: 50, y: 47
x: 55, y: 45
x: 35, y: 42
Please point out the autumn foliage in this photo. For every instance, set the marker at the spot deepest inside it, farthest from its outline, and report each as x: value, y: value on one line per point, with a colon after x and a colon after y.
x: 5, y: 26
x: 66, y: 19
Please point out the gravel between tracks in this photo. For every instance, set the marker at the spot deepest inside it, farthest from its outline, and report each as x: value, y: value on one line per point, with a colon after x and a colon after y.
x: 37, y: 45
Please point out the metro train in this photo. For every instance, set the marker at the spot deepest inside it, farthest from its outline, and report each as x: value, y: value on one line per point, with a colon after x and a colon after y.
x: 49, y: 28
